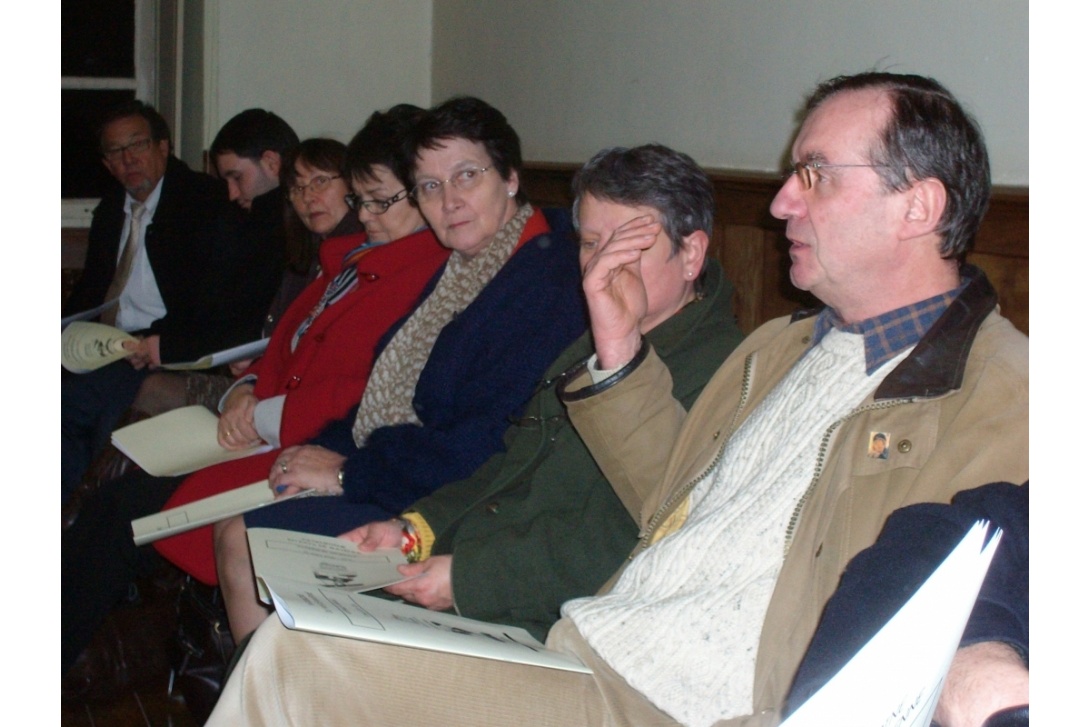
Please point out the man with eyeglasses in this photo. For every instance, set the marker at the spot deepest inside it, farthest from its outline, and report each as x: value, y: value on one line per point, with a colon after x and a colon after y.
x: 744, y: 532
x: 168, y: 246
x: 889, y: 185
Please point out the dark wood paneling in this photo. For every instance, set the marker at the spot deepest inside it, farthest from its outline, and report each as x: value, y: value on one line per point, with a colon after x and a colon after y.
x: 749, y: 241
x: 73, y: 248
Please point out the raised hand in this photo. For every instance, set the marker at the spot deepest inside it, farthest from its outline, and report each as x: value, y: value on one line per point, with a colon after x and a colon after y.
x: 615, y: 291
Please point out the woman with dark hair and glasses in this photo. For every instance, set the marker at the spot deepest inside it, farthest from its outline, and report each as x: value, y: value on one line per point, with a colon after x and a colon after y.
x: 313, y: 372
x: 441, y: 391
x: 313, y: 179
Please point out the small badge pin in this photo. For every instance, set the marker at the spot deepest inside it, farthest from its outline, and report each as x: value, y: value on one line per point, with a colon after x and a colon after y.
x: 878, y: 448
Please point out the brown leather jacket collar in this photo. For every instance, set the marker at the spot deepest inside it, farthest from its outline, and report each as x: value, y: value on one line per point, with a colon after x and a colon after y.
x: 937, y: 365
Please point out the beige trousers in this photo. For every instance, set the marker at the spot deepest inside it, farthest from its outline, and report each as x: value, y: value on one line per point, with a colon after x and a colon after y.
x: 294, y: 678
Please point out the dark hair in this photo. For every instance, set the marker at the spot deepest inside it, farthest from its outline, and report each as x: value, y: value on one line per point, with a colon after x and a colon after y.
x: 253, y: 132
x: 651, y: 175
x: 382, y: 141
x: 929, y: 134
x: 465, y: 117
x: 156, y: 123
x: 327, y: 155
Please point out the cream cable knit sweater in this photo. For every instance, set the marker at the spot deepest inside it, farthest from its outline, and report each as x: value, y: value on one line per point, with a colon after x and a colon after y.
x: 683, y: 622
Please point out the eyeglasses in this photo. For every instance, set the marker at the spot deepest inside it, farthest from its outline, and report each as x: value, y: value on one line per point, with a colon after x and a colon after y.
x: 374, y: 206
x: 317, y: 185
x: 807, y: 170
x: 133, y: 147
x: 430, y: 190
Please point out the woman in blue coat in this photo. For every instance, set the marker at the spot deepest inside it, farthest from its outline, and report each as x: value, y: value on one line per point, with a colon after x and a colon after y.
x: 465, y: 360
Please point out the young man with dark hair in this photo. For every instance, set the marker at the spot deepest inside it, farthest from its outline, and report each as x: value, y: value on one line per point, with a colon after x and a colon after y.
x: 249, y: 153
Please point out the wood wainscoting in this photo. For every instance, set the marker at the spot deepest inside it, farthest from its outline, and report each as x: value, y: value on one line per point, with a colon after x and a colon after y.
x: 750, y: 242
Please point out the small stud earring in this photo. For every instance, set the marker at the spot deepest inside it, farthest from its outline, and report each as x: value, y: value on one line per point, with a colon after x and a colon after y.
x: 510, y: 194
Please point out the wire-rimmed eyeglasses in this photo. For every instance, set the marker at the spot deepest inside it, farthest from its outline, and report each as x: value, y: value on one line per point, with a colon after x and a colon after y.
x: 317, y: 184
x: 428, y: 190
x: 133, y: 147
x: 807, y: 171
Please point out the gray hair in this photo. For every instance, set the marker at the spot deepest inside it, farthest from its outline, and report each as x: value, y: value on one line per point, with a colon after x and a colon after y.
x: 655, y: 176
x: 929, y: 135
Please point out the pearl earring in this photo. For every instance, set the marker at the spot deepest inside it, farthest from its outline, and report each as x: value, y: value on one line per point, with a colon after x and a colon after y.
x: 510, y: 194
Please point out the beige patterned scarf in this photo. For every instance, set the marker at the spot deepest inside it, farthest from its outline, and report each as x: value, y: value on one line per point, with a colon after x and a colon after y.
x: 388, y: 397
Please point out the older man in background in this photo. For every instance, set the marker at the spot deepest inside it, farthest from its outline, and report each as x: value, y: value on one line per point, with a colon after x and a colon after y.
x: 163, y: 244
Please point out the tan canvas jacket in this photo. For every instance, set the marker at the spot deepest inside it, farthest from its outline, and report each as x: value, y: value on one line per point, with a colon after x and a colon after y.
x: 955, y: 410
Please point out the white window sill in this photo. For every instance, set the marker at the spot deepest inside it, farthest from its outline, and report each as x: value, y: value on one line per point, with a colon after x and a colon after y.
x: 77, y: 212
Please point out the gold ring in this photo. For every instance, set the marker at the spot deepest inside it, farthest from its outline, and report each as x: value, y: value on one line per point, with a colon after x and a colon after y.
x: 283, y: 467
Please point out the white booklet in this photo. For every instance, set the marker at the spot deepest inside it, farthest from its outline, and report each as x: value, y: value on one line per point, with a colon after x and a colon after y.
x: 208, y: 510
x: 316, y: 584
x: 177, y: 442
x: 253, y: 349
x: 897, y: 677
x: 86, y: 346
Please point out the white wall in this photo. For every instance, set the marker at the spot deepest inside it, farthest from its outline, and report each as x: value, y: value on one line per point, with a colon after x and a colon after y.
x: 719, y: 79
x: 722, y: 80
x: 323, y: 65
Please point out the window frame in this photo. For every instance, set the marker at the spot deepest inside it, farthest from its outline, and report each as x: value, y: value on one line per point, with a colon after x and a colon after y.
x: 76, y: 212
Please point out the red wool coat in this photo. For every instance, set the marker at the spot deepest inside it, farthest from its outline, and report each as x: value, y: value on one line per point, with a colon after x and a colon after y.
x: 324, y: 377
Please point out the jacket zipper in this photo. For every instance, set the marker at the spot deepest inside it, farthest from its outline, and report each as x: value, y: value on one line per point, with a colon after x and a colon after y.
x: 819, y: 467
x: 669, y: 502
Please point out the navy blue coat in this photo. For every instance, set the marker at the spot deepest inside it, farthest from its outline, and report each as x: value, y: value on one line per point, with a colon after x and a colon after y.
x: 482, y: 371
x: 914, y: 541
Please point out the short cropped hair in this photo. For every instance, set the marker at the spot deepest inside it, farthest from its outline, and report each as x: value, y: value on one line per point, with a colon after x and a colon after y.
x: 929, y: 134
x: 655, y: 176
x: 253, y: 132
x: 156, y: 123
x: 382, y: 141
x: 466, y: 117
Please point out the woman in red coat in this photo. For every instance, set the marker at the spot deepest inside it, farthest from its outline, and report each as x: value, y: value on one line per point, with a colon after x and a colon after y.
x: 320, y: 355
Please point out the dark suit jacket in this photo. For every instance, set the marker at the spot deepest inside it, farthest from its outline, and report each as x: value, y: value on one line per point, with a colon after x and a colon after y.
x: 197, y: 245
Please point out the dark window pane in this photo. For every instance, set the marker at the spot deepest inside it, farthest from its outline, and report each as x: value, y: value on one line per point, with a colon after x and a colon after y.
x: 82, y: 172
x: 97, y: 38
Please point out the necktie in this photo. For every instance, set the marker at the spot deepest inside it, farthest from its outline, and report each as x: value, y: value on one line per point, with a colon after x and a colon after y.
x: 124, y: 265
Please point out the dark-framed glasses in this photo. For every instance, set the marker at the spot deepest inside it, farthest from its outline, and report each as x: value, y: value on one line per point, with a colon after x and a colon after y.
x: 317, y: 184
x: 374, y: 206
x: 810, y: 172
x: 133, y: 147
x: 429, y: 190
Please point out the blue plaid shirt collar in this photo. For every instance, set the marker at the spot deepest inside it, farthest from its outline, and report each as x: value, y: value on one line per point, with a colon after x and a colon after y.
x: 886, y: 335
